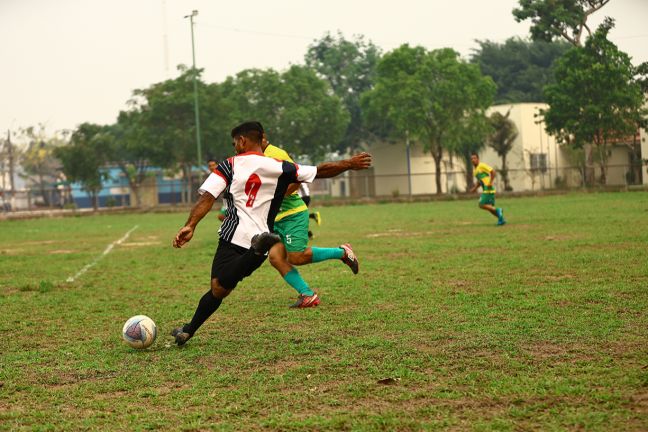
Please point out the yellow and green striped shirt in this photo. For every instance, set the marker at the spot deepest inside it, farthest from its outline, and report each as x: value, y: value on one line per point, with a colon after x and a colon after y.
x: 482, y: 172
x: 292, y: 204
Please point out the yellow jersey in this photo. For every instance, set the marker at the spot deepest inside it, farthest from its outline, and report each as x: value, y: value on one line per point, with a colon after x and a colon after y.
x: 291, y: 204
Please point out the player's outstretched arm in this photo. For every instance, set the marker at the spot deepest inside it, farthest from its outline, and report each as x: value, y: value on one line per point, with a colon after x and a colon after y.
x: 331, y: 169
x: 199, y: 210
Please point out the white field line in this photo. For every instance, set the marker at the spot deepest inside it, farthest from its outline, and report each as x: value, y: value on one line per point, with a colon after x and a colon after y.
x: 105, y: 252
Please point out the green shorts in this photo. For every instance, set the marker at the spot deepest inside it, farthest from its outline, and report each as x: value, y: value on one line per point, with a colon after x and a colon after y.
x: 487, y: 198
x: 293, y: 231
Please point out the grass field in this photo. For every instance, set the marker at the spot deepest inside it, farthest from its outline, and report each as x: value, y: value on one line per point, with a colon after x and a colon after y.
x: 453, y: 323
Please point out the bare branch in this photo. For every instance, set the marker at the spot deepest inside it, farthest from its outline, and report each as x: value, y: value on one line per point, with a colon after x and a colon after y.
x: 571, y: 40
x: 594, y: 7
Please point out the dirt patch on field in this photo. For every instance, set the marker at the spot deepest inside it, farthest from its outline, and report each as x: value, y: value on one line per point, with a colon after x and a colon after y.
x: 401, y: 234
x: 10, y: 251
x: 561, y: 277
x: 567, y: 354
x: 61, y: 251
x: 64, y: 380
x: 639, y: 402
x: 559, y: 237
x: 40, y: 242
x: 140, y: 244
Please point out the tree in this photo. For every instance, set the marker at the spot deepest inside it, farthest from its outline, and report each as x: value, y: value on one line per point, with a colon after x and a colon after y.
x: 296, y: 107
x: 129, y: 147
x: 166, y: 117
x: 38, y: 161
x: 501, y: 140
x: 349, y: 66
x: 597, y: 97
x: 558, y: 18
x: 520, y: 68
x: 430, y: 94
x: 566, y: 19
x: 83, y: 158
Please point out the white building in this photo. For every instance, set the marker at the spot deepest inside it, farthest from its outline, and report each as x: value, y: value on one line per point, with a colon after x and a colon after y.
x: 535, y: 162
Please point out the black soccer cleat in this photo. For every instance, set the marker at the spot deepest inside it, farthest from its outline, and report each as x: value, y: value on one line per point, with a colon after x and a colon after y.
x: 180, y: 335
x: 261, y: 243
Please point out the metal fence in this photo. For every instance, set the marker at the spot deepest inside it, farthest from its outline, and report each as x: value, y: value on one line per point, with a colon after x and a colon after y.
x: 353, y: 185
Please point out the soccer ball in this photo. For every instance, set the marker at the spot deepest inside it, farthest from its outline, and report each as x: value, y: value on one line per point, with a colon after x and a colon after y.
x: 139, y: 332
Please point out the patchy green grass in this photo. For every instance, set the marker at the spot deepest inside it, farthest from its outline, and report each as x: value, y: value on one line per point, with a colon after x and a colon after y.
x: 452, y: 323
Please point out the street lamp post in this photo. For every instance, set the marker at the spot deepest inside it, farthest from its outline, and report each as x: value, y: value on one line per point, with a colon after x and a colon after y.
x: 195, y: 86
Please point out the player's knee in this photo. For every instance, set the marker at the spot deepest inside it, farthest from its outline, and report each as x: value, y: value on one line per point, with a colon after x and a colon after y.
x: 218, y: 290
x: 277, y: 255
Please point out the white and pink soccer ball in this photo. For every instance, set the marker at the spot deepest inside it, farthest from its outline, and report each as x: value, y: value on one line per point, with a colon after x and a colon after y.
x: 139, y: 332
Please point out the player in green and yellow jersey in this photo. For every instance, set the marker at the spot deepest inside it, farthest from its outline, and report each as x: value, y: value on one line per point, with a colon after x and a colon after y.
x: 291, y: 224
x: 485, y: 177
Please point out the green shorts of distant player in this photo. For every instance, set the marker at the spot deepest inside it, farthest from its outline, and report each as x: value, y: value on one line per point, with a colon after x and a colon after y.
x: 293, y: 231
x: 487, y: 198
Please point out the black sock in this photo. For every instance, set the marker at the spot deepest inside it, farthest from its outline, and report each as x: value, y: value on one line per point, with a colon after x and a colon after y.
x: 206, y: 307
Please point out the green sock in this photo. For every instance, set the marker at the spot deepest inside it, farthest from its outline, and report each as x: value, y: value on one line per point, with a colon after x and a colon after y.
x: 323, y: 254
x: 294, y: 279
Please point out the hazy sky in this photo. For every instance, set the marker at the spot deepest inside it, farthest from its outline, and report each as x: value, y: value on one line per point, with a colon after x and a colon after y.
x: 65, y: 62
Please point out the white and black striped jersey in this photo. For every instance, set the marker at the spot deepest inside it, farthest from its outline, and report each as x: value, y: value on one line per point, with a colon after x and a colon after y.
x: 254, y: 187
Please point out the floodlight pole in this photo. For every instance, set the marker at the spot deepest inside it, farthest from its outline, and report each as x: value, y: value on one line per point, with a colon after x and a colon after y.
x: 195, y: 86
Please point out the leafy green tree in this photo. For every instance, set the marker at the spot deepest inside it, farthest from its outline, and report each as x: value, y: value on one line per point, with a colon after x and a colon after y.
x: 40, y: 166
x: 430, y: 94
x: 296, y: 108
x: 167, y: 121
x: 83, y: 157
x: 350, y: 68
x: 566, y: 19
x: 129, y: 147
x: 501, y: 140
x: 597, y: 97
x: 520, y: 68
x: 551, y: 19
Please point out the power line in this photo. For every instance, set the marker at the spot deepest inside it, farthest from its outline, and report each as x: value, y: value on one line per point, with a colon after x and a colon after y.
x: 238, y: 30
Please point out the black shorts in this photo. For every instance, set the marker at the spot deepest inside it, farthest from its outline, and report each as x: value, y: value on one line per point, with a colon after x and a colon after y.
x: 306, y: 200
x: 233, y: 263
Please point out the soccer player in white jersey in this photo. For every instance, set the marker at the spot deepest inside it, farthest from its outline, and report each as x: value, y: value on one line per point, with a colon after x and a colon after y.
x: 254, y: 187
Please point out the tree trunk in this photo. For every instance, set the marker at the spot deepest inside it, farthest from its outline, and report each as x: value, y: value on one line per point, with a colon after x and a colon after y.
x: 589, y: 165
x: 41, y: 184
x: 602, y: 148
x: 469, y: 175
x: 437, y: 167
x: 94, y: 196
x: 505, y: 177
x: 136, y: 191
x: 185, y: 183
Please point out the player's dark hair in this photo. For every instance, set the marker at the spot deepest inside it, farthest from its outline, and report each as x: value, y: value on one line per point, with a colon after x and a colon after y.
x: 474, y: 154
x: 252, y: 130
x: 211, y: 159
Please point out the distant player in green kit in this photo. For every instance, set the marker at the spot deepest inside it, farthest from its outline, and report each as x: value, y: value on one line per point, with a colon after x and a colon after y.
x: 485, y: 177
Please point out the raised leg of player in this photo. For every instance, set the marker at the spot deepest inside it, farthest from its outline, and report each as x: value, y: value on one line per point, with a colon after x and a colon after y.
x: 315, y: 255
